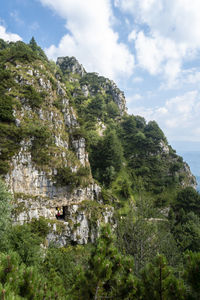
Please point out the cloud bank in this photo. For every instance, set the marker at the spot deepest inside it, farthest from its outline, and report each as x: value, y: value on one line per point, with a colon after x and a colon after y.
x: 178, y: 117
x: 8, y: 36
x: 91, y: 37
x: 170, y: 33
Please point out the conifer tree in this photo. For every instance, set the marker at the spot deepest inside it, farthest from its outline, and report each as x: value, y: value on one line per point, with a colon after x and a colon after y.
x: 159, y: 283
x: 108, y: 273
x: 19, y: 282
x: 192, y: 274
x: 37, y: 49
x: 33, y: 44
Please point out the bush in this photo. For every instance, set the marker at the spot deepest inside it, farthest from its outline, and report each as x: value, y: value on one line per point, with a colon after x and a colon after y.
x: 6, y: 109
x: 40, y: 226
x: 34, y: 98
x: 10, y: 137
x: 18, y: 51
x: 42, y: 139
x: 65, y: 176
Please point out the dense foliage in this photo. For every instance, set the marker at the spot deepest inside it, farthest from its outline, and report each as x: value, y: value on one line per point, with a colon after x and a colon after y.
x: 29, y: 270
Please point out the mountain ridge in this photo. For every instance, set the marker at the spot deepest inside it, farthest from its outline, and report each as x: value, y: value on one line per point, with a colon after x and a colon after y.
x: 67, y: 141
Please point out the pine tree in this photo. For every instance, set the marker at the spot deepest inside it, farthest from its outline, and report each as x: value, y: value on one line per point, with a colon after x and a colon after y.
x: 159, y: 283
x: 19, y: 282
x: 192, y: 274
x: 33, y: 44
x: 109, y: 274
x: 37, y: 49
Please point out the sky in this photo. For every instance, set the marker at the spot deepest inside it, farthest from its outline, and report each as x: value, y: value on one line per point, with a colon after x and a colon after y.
x: 150, y: 48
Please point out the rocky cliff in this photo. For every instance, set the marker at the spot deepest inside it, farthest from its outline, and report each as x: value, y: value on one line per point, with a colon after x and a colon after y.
x: 61, y: 127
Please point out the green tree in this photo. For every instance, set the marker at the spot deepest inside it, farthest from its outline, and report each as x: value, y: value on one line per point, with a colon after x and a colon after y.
x: 108, y: 273
x: 187, y: 231
x: 152, y: 130
x: 189, y: 200
x: 106, y: 158
x: 37, y: 49
x: 113, y: 110
x: 159, y: 283
x: 192, y: 274
x: 137, y: 237
x: 26, y: 244
x: 20, y: 282
x: 5, y: 216
x: 142, y: 233
x: 33, y: 44
x: 96, y: 106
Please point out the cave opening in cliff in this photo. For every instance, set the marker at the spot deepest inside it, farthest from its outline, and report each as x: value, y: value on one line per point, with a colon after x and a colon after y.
x: 60, y: 213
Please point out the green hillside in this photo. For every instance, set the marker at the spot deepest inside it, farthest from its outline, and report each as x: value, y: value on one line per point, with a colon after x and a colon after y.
x: 68, y: 144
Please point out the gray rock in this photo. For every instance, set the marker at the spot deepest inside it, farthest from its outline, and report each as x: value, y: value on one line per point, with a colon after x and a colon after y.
x: 70, y: 65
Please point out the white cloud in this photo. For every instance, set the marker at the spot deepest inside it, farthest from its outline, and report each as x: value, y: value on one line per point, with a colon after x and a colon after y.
x: 178, y: 117
x: 134, y: 98
x: 138, y: 79
x: 91, y: 38
x: 8, y: 36
x: 188, y: 78
x: 171, y: 33
x: 132, y: 36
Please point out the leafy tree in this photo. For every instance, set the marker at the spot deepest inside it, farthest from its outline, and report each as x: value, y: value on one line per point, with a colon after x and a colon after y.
x: 137, y: 238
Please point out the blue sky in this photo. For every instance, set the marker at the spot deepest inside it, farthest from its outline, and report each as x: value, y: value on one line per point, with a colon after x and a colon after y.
x: 150, y: 48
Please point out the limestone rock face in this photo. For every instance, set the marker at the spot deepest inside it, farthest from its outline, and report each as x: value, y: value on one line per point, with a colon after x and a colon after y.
x: 78, y: 228
x: 164, y: 147
x: 70, y: 65
x: 190, y: 180
x: 34, y: 183
x: 118, y: 97
x: 69, y: 114
x: 36, y: 195
x: 79, y: 147
x: 26, y: 178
